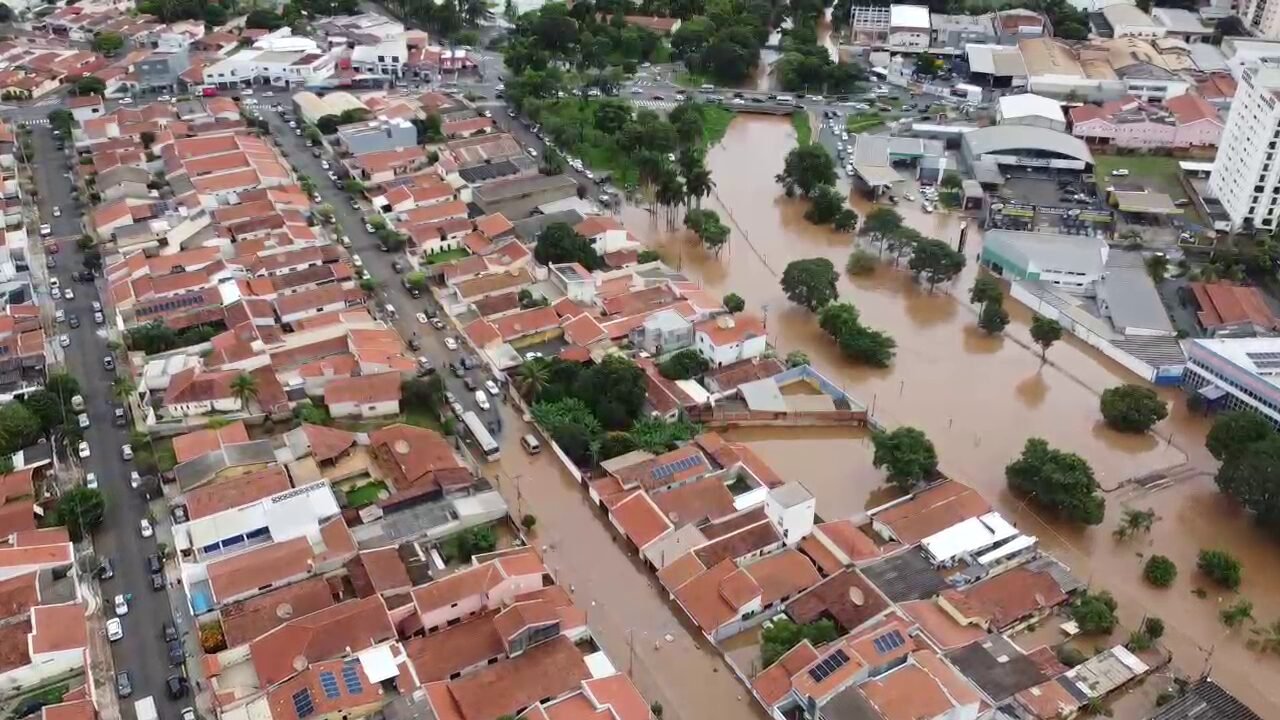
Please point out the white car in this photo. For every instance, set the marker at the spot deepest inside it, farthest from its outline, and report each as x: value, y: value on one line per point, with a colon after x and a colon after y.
x: 69, y: 294
x: 126, y: 452
x: 368, y: 227
x: 126, y: 101
x: 165, y: 98
x: 64, y: 340
x: 54, y: 282
x: 135, y: 480
x: 83, y: 420
x: 57, y: 211
x: 46, y: 230
x: 91, y: 481
x: 247, y: 91
x: 492, y: 387
x: 115, y: 629
x: 324, y: 164
x: 457, y: 409
x: 56, y: 293
x: 532, y: 355
x: 268, y: 94
x: 83, y: 450
x: 422, y: 318
x: 144, y: 527
x: 121, y: 605
x: 1120, y: 172
x: 451, y: 343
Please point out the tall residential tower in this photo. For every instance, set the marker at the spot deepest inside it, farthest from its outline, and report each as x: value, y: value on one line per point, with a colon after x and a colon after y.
x: 1246, y: 173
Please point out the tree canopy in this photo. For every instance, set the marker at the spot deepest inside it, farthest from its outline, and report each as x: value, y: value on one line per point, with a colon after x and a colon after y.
x: 935, y: 261
x: 1132, y: 408
x: 108, y: 43
x: 1058, y: 481
x: 1095, y: 613
x: 1221, y: 567
x: 1251, y: 475
x: 81, y: 509
x: 683, y: 365
x: 560, y: 243
x: 1045, y: 332
x: 783, y: 634
x: 807, y: 168
x: 907, y: 454
x: 1233, y: 431
x: 810, y: 283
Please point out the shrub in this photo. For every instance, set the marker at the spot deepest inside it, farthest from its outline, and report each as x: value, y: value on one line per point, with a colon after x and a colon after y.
x: 861, y: 262
x: 1220, y: 567
x: 1160, y: 571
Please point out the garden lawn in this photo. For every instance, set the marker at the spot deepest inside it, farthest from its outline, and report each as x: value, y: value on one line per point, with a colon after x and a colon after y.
x: 1157, y: 172
x: 804, y: 133
x: 422, y: 418
x: 366, y: 494
x: 447, y: 256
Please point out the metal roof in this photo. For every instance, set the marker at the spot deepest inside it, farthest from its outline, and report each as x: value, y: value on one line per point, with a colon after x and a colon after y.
x: 1206, y: 700
x: 1030, y: 105
x: 1130, y: 295
x: 1074, y: 253
x: 1004, y: 138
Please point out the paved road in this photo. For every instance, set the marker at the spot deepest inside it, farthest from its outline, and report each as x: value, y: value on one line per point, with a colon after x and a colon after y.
x: 141, y: 651
x: 378, y: 263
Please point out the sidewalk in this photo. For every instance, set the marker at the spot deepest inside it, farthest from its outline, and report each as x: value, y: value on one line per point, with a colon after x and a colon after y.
x: 188, y: 631
x: 101, y: 671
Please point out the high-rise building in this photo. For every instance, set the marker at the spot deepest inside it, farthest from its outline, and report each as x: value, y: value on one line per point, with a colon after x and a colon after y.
x: 1262, y: 17
x: 1246, y: 173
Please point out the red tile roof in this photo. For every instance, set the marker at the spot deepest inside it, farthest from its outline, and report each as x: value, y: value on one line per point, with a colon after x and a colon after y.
x: 1007, y: 598
x: 1222, y: 304
x: 330, y: 633
x: 327, y: 443
x: 641, y: 520
x: 932, y: 510
x: 546, y: 670
x: 235, y: 491
x: 201, y: 442
x: 247, y: 620
x: 363, y: 389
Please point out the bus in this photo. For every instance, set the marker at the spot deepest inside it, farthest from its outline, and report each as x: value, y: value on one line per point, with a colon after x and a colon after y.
x: 487, y: 444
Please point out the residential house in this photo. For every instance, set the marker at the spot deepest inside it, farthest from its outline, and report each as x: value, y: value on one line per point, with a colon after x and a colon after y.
x: 364, y: 396
x: 727, y: 339
x: 379, y: 167
x: 380, y: 135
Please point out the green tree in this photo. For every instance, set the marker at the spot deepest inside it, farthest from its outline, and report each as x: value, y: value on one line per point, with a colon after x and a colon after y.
x: 469, y: 543
x: 614, y: 444
x: 615, y: 390
x: 532, y: 378
x: 986, y: 289
x: 559, y: 243
x: 1094, y: 613
x: 1158, y: 267
x: 48, y: 408
x: 1160, y: 571
x: 880, y: 225
x: 806, y: 169
x: 810, y: 283
x: 244, y: 388
x: 734, y: 303
x: 838, y: 319
x: 416, y: 280
x: 824, y: 205
x: 19, y: 427
x: 1135, y: 521
x: 907, y: 454
x: 784, y: 634
x: 264, y: 20
x: 426, y: 393
x: 90, y: 85
x: 867, y: 346
x: 1237, y: 613
x: 1236, y: 430
x: 993, y: 318
x: 81, y: 509
x: 1132, y: 408
x: 1045, y: 332
x: 61, y: 120
x: 1251, y: 475
x: 658, y: 436
x: 1221, y: 567
x: 1153, y: 626
x: 796, y: 358
x: 108, y: 43
x: 312, y: 133
x: 936, y: 261
x: 313, y: 414
x: 683, y: 365
x: 1058, y: 481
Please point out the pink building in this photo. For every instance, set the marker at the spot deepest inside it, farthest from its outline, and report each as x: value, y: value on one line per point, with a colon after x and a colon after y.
x: 486, y: 586
x: 1185, y: 121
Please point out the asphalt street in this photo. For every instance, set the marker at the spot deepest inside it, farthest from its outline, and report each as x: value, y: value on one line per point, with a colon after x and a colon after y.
x: 141, y: 651
x: 350, y: 222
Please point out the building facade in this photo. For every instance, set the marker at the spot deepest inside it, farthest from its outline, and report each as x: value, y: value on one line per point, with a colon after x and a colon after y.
x: 1246, y: 176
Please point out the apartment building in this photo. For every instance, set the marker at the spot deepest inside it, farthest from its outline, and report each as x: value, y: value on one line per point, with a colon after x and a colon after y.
x: 1246, y: 177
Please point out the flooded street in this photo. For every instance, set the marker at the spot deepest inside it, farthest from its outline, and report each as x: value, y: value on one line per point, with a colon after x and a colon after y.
x: 625, y: 607
x: 979, y: 399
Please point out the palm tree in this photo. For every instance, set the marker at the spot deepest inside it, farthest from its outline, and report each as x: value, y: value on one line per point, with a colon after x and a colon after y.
x: 698, y: 184
x: 123, y: 389
x: 533, y: 378
x: 475, y: 11
x: 244, y: 388
x: 670, y: 193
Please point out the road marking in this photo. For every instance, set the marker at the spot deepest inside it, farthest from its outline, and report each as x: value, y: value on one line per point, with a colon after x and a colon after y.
x: 36, y: 121
x: 654, y: 104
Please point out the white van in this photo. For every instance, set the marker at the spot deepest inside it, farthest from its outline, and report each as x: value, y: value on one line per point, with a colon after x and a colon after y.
x: 77, y: 403
x: 786, y: 100
x: 482, y: 400
x: 391, y: 311
x: 531, y: 444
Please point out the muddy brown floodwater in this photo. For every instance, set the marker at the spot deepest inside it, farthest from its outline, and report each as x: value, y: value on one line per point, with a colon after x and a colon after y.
x: 979, y: 399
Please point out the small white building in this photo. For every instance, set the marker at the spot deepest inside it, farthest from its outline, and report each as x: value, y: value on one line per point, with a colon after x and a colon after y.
x: 791, y: 508
x: 1128, y: 20
x: 1031, y: 109
x: 909, y: 27
x: 727, y: 339
x: 385, y: 58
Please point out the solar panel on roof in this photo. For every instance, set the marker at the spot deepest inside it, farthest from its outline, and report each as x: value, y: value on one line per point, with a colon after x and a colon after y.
x: 672, y: 468
x: 818, y: 673
x: 1263, y: 355
x: 329, y: 684
x: 888, y: 641
x: 302, y: 703
x: 351, y: 678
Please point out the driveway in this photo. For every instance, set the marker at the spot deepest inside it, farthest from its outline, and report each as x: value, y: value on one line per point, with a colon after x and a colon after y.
x: 142, y: 651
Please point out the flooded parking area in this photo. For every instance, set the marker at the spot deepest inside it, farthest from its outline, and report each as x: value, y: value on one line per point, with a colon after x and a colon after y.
x: 979, y: 399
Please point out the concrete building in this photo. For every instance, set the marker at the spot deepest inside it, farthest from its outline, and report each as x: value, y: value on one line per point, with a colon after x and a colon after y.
x: 909, y: 27
x: 1262, y: 17
x: 517, y: 199
x: 1246, y: 176
x: 1023, y: 145
x: 1182, y: 24
x: 1070, y: 262
x: 378, y: 136
x: 160, y: 70
x: 957, y: 31
x: 1130, y: 21
x: 1236, y: 374
x: 387, y: 57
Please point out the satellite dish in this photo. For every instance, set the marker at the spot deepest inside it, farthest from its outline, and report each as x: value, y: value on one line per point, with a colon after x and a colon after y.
x: 300, y: 663
x: 856, y: 597
x: 284, y: 611
x: 401, y: 447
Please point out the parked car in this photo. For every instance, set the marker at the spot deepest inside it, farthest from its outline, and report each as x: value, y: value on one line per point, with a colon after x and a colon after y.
x: 177, y: 686
x: 82, y: 450
x: 144, y: 527
x: 157, y: 582
x: 153, y: 563
x: 451, y: 343
x: 168, y: 631
x: 492, y: 387
x: 126, y: 451
x: 115, y: 629
x: 91, y: 481
x: 106, y: 570
x: 121, y: 605
x: 177, y: 656
x: 124, y: 685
